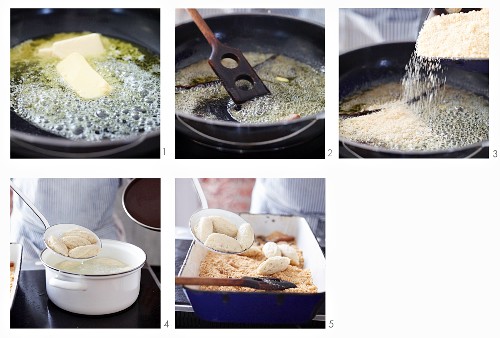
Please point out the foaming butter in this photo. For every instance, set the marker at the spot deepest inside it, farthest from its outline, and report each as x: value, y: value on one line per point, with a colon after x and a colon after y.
x: 70, y: 102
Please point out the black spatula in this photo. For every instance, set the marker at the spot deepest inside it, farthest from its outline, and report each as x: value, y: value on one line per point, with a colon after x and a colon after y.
x: 237, y: 76
x: 259, y: 283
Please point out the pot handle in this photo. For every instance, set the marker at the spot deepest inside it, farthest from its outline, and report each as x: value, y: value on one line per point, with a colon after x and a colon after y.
x: 63, y: 284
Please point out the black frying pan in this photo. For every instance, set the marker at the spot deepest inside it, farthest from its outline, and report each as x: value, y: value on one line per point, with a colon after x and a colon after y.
x: 386, y: 62
x: 301, y: 40
x: 139, y: 26
x: 141, y: 201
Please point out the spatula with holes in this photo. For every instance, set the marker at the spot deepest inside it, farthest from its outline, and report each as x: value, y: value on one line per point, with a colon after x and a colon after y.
x: 238, y: 77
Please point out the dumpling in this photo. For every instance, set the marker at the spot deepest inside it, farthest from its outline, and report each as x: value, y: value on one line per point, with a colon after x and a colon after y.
x: 73, y: 241
x: 204, y: 228
x: 85, y: 251
x: 273, y: 265
x: 290, y: 252
x: 245, y: 236
x: 271, y: 249
x: 57, y: 245
x: 224, y: 226
x: 87, y: 234
x: 224, y: 243
x: 253, y: 251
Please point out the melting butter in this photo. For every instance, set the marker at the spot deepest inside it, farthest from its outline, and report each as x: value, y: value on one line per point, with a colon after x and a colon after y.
x: 40, y: 96
x: 81, y: 77
x: 85, y: 45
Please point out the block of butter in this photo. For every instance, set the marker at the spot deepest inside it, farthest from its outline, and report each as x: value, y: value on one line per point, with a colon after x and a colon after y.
x: 85, y: 45
x: 82, y: 78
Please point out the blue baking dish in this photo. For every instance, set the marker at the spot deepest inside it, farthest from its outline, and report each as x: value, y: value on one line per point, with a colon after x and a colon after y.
x: 261, y: 307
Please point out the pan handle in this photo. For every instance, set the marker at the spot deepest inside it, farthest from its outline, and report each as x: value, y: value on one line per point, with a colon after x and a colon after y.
x: 67, y: 285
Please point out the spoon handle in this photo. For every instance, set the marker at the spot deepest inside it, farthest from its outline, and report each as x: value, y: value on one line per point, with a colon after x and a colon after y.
x: 258, y: 283
x: 29, y: 204
x: 209, y: 281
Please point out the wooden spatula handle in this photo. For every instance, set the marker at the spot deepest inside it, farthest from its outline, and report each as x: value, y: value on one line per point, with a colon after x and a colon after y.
x: 208, y: 281
x: 202, y: 26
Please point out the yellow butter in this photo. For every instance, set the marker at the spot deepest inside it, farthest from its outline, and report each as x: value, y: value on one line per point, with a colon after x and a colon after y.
x: 86, y: 45
x: 82, y: 78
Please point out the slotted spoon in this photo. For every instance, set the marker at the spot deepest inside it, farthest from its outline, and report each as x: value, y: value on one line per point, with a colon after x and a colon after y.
x: 53, y: 230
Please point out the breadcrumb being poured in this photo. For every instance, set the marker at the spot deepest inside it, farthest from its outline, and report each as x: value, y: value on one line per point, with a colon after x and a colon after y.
x: 458, y: 35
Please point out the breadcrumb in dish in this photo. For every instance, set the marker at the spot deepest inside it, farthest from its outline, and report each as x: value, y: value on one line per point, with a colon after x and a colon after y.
x: 237, y: 266
x: 12, y: 274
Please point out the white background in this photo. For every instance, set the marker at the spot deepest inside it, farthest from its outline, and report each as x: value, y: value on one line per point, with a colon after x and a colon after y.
x: 413, y: 245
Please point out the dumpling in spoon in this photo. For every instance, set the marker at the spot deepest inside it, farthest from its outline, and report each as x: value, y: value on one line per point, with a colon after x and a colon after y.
x: 84, y: 251
x: 224, y: 243
x: 57, y: 245
x: 89, y: 236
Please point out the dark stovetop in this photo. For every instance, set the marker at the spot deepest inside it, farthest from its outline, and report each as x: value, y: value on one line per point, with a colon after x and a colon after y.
x: 186, y: 319
x: 185, y: 148
x: 33, y: 309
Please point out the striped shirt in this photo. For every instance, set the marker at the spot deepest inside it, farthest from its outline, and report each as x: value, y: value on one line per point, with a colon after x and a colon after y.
x: 303, y: 197
x: 85, y: 202
x: 362, y: 27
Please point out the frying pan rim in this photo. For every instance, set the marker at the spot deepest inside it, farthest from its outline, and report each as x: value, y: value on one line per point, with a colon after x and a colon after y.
x: 318, y: 116
x: 381, y: 45
x: 42, y: 36
x: 259, y: 143
x: 284, y: 16
x: 380, y: 150
x: 52, y: 141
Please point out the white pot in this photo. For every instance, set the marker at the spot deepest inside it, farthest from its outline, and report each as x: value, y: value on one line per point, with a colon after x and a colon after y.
x: 96, y: 294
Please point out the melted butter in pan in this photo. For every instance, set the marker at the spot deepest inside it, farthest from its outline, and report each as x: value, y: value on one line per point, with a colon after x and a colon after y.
x: 40, y: 96
x: 296, y: 88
